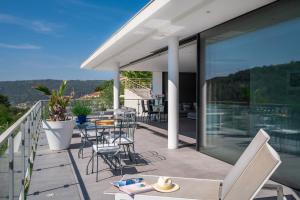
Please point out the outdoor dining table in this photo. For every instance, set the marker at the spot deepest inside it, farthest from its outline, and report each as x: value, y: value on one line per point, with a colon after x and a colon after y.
x: 89, y: 125
x: 92, y: 125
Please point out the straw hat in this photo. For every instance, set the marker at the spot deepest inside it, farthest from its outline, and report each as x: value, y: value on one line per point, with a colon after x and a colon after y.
x: 165, y: 184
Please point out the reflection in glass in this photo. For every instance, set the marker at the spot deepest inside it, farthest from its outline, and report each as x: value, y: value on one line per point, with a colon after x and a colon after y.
x: 253, y: 82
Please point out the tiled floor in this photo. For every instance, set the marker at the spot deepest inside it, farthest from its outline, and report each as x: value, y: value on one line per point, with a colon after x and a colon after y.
x: 62, y: 175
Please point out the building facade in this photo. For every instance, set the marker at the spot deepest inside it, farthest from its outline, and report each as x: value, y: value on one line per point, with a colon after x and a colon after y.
x: 245, y: 61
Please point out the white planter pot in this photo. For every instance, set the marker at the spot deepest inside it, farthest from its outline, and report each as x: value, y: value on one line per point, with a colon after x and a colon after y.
x: 59, y: 133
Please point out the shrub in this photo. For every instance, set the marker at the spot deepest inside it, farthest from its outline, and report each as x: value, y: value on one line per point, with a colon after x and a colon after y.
x: 81, y: 108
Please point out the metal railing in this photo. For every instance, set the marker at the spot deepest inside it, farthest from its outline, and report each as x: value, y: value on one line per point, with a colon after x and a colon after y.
x: 138, y: 83
x: 135, y: 104
x: 18, y: 145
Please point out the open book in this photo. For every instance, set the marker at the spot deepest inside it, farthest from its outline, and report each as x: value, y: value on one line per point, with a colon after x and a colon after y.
x: 136, y: 188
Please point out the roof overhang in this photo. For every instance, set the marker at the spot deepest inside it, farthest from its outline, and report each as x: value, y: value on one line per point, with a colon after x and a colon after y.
x: 150, y: 29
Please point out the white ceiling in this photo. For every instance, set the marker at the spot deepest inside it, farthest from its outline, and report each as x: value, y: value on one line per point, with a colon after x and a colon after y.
x: 159, y: 63
x: 149, y: 30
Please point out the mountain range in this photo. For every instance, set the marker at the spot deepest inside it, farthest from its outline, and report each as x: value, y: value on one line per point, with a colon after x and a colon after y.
x: 23, y: 91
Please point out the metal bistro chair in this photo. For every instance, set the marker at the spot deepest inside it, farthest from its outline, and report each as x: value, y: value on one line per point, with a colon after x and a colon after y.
x: 108, y: 150
x: 151, y: 113
x: 127, y: 139
x: 87, y: 134
x: 144, y: 111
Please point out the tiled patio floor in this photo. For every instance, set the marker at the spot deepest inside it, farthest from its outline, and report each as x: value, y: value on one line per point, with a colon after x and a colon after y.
x: 61, y: 175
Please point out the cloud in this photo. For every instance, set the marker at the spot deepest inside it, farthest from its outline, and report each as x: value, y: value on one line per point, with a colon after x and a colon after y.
x: 20, y: 46
x: 35, y: 25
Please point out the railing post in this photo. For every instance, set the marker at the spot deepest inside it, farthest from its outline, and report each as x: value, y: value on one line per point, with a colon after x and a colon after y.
x: 138, y: 111
x: 11, y: 166
x: 29, y: 138
x: 23, y: 130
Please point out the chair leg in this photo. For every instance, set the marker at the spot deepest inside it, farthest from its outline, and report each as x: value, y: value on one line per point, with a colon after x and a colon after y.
x: 124, y: 151
x: 93, y: 163
x: 121, y: 166
x: 134, y: 154
x: 97, y: 170
x: 87, y: 167
x: 84, y: 145
x: 80, y: 149
x: 129, y: 152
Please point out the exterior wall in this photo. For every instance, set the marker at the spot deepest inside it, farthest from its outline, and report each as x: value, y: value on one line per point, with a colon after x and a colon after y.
x: 157, y: 81
x: 131, y: 100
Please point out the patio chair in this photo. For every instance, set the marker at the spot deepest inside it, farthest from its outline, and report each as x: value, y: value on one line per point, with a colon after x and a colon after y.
x: 127, y: 139
x: 151, y: 113
x: 144, y: 111
x: 87, y: 136
x: 108, y: 150
x: 253, y: 169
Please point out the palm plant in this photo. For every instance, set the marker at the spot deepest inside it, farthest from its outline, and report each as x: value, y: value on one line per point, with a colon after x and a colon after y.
x: 58, y: 102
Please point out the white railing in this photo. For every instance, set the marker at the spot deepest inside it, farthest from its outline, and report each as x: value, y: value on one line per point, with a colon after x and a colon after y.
x: 138, y: 83
x: 18, y: 145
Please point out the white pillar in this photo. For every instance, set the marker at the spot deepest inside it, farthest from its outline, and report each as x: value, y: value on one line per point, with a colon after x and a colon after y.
x: 156, y: 83
x: 173, y: 86
x: 117, y: 88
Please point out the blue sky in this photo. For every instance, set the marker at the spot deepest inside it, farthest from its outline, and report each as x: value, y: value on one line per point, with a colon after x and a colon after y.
x: 276, y: 44
x: 49, y: 39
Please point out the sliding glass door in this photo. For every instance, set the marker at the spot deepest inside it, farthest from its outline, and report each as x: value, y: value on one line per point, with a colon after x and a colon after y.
x: 253, y: 82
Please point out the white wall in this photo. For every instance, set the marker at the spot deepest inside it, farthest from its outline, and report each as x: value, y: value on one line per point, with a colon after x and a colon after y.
x: 157, y: 83
x: 131, y: 101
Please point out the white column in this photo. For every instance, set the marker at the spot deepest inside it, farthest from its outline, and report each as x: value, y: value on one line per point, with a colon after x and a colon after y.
x: 173, y: 86
x: 156, y: 83
x: 117, y: 88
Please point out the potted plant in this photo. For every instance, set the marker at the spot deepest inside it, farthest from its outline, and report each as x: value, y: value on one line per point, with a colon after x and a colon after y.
x: 58, y: 127
x: 81, y: 109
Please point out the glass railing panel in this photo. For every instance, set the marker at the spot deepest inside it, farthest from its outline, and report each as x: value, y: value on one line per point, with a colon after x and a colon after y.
x: 4, y: 170
x: 18, y: 163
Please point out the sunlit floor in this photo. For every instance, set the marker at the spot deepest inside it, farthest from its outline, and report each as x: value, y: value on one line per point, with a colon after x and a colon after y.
x: 61, y: 175
x: 227, y: 144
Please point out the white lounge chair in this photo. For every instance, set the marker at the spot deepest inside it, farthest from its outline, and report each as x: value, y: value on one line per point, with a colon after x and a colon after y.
x: 253, y: 169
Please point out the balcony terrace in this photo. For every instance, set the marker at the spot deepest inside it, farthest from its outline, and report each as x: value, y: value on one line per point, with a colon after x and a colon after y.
x: 61, y: 174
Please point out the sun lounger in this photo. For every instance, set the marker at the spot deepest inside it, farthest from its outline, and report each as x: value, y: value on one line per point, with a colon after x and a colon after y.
x: 253, y: 169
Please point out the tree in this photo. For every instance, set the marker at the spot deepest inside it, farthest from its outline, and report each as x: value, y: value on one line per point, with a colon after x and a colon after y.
x: 4, y: 100
x: 106, y: 94
x: 136, y: 74
x: 5, y: 115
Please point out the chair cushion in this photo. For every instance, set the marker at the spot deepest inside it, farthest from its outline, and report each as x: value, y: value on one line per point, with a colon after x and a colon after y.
x: 105, y: 148
x: 122, y: 140
x: 92, y: 133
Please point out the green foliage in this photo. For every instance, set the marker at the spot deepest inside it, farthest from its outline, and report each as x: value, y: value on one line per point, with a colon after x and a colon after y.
x: 81, y: 108
x: 271, y: 84
x: 8, y: 114
x: 3, y: 147
x: 137, y: 74
x: 5, y: 115
x: 57, y: 101
x: 106, y: 95
x: 4, y: 100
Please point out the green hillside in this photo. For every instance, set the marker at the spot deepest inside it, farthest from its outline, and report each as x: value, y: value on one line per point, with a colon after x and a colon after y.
x: 22, y: 91
x: 273, y: 84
